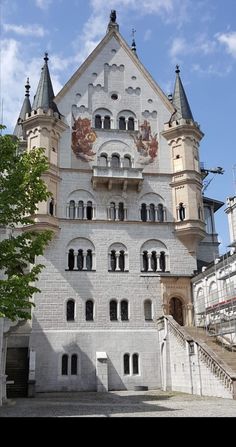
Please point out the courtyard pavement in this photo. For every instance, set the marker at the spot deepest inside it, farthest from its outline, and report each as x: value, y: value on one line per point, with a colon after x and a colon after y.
x: 154, y: 403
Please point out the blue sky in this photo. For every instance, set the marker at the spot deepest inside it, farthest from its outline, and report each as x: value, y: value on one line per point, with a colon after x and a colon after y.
x: 200, y: 35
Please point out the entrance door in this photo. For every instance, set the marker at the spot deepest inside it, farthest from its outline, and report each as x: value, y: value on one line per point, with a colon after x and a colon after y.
x: 17, y: 371
x: 176, y: 310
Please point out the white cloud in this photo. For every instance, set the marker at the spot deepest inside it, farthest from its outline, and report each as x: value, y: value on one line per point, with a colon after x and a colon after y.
x: 13, y: 77
x: 23, y: 30
x: 229, y: 40
x: 181, y: 47
x: 43, y: 4
x: 147, y: 35
x: 214, y: 69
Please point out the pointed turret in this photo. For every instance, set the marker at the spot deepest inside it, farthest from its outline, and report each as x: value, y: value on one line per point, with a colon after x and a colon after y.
x: 180, y: 101
x: 112, y: 24
x: 26, y: 108
x: 44, y: 98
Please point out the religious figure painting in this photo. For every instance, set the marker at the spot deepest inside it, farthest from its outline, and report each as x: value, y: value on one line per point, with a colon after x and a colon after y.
x: 83, y: 138
x: 146, y: 143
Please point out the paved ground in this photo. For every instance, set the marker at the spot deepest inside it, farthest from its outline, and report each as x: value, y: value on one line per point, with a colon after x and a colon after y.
x: 119, y: 404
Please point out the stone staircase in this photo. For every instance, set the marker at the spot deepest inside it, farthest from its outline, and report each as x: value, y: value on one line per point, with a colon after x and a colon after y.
x: 220, y: 351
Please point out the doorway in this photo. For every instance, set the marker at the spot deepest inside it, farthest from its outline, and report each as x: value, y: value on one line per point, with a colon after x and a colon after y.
x: 176, y: 310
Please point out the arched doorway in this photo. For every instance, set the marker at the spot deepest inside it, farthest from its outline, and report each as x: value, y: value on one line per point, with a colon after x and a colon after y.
x: 176, y: 310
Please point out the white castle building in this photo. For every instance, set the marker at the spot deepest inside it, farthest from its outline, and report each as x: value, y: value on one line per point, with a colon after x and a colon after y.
x: 128, y: 218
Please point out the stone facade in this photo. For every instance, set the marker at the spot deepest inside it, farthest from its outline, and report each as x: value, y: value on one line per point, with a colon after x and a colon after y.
x: 127, y: 214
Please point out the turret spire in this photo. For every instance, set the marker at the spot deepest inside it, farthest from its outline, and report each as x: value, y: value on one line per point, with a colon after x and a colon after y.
x: 179, y: 100
x: 133, y: 45
x: 26, y: 108
x: 44, y: 98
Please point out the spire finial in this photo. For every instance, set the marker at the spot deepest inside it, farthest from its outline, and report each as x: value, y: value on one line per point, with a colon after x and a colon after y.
x: 27, y: 87
x: 113, y: 16
x: 177, y: 70
x: 113, y: 24
x: 46, y: 57
x: 133, y: 45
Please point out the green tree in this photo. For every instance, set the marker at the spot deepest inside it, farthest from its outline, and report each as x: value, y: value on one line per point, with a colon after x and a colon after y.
x: 21, y: 189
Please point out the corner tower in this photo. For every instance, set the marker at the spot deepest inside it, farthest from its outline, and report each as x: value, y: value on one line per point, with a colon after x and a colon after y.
x: 43, y: 127
x: 183, y: 135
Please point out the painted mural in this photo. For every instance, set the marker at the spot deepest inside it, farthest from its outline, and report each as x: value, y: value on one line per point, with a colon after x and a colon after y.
x: 146, y: 143
x: 83, y: 138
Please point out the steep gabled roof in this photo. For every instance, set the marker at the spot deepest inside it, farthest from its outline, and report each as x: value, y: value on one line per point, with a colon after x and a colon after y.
x: 44, y: 98
x: 180, y: 101
x: 26, y: 108
x: 114, y: 32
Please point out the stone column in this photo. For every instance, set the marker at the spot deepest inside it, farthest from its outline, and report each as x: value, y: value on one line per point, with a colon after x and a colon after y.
x: 93, y: 212
x: 149, y: 262
x: 148, y: 213
x: 126, y: 262
x: 84, y: 261
x: 116, y: 212
x: 93, y: 260
x: 117, y: 261
x: 85, y: 212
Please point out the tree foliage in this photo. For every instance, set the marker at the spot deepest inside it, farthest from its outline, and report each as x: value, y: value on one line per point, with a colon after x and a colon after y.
x: 21, y: 189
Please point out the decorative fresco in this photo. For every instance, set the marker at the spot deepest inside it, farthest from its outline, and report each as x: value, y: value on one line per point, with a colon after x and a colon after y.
x: 83, y: 138
x: 146, y: 143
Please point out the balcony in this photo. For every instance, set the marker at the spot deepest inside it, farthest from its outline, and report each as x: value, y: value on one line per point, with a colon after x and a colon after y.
x: 110, y: 176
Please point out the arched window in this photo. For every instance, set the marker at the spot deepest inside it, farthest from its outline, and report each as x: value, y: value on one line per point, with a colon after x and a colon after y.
x: 112, y: 211
x: 126, y: 364
x: 115, y: 161
x: 51, y: 207
x: 127, y: 162
x: 70, y: 310
x: 122, y: 261
x: 81, y: 209
x: 64, y: 365
x: 162, y: 261
x: 89, y: 260
x: 135, y: 364
x: 181, y: 211
x: 113, y: 310
x: 72, y: 209
x: 107, y: 122
x: 121, y: 211
x: 124, y: 312
x: 89, y: 310
x: 148, y: 310
x: 144, y: 212
x: 160, y: 211
x: 71, y: 259
x: 89, y: 210
x: 122, y: 123
x: 130, y: 123
x: 154, y: 261
x: 98, y: 122
x: 145, y: 261
x: 103, y: 160
x: 80, y: 260
x: 152, y: 212
x: 74, y: 361
x: 113, y: 260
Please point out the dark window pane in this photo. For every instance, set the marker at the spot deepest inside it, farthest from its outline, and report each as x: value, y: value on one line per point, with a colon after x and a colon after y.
x: 154, y: 261
x: 121, y: 211
x: 160, y: 213
x: 113, y: 260
x: 148, y: 310
x: 122, y: 261
x: 71, y: 259
x: 130, y: 124
x: 89, y: 210
x: 81, y: 209
x: 127, y: 162
x: 152, y: 213
x: 135, y: 364
x: 64, y: 365
x: 74, y: 365
x: 145, y: 261
x: 51, y: 207
x: 80, y: 260
x: 181, y: 211
x: 98, y: 122
x: 89, y: 310
x: 115, y: 161
x: 89, y: 260
x: 107, y: 122
x: 113, y: 310
x: 124, y: 310
x: 162, y: 261
x: 70, y: 310
x: 122, y: 124
x: 143, y: 212
x: 126, y: 364
x: 103, y: 160
x: 72, y: 209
